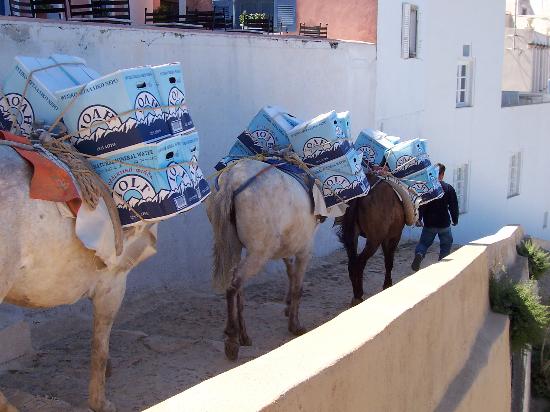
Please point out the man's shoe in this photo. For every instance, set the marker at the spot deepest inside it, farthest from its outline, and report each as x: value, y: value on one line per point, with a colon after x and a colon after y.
x: 415, y: 265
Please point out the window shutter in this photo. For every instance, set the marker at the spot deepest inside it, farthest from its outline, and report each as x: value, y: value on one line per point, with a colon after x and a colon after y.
x: 285, y: 15
x: 405, y: 31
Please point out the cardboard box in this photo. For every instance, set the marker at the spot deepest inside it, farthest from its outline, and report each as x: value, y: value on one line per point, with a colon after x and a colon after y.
x: 425, y: 183
x: 408, y: 157
x: 155, y: 195
x: 269, y: 129
x: 104, y: 115
x: 374, y: 144
x: 40, y: 103
x: 342, y: 179
x: 169, y: 80
x: 322, y: 139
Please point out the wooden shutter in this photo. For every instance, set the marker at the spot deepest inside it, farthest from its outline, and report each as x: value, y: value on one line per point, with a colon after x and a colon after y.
x: 405, y: 31
x: 285, y: 15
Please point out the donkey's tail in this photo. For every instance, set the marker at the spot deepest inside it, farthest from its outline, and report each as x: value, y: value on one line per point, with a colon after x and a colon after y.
x: 227, y: 246
x: 347, y: 227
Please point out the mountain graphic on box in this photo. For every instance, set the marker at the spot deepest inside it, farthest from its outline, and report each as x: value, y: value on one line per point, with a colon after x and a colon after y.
x: 334, y: 150
x: 131, y: 132
x: 343, y: 194
x: 5, y: 119
x: 165, y: 202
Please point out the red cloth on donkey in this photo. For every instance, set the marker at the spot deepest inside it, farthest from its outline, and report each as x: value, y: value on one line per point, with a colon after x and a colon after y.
x: 49, y: 181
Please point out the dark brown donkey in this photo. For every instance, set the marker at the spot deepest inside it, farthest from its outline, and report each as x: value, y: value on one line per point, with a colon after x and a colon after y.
x: 379, y: 217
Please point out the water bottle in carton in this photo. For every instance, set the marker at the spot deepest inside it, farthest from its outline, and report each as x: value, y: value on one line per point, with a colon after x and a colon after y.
x: 169, y: 79
x: 269, y: 129
x: 408, y: 157
x: 39, y: 103
x: 342, y: 179
x: 115, y: 111
x: 154, y: 194
x: 425, y: 183
x: 322, y: 139
x: 373, y: 144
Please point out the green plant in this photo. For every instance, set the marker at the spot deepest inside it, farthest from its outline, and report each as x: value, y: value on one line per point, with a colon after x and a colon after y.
x: 520, y: 301
x: 538, y: 258
x: 251, y: 16
x: 540, y: 369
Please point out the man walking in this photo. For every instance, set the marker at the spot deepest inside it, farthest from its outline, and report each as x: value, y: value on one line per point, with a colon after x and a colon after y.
x: 436, y: 221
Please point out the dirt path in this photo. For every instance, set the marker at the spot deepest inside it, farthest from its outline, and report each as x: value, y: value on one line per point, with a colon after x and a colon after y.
x: 165, y: 341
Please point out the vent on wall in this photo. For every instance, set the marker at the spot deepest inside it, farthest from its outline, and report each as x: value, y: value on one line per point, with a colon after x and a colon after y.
x: 285, y: 15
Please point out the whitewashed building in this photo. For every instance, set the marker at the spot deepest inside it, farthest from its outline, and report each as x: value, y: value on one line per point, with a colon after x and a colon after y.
x: 440, y: 76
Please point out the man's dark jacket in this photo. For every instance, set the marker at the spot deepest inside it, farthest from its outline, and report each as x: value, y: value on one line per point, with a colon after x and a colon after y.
x: 436, y: 212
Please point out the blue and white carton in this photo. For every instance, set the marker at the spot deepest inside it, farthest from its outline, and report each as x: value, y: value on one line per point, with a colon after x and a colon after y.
x: 268, y: 130
x: 425, y: 184
x: 406, y: 158
x: 342, y: 179
x: 238, y: 151
x: 322, y: 139
x: 40, y: 102
x: 115, y: 111
x: 374, y: 144
x: 169, y: 80
x: 155, y: 194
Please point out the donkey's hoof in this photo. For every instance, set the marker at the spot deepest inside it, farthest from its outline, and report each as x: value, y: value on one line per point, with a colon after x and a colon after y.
x: 297, y: 331
x: 355, y: 301
x: 245, y: 341
x: 387, y: 285
x: 106, y: 406
x: 231, y: 350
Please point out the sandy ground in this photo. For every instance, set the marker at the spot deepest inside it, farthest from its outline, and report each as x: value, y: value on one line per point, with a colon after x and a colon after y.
x: 167, y: 340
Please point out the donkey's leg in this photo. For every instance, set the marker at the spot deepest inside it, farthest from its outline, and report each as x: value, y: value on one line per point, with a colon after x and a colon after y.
x: 289, y: 263
x: 244, y: 339
x: 6, y: 282
x: 358, y: 268
x: 388, y: 247
x: 356, y: 281
x: 248, y: 267
x: 107, y: 297
x: 296, y: 280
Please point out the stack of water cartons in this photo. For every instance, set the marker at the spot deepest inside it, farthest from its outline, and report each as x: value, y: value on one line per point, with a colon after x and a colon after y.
x: 407, y: 160
x: 29, y: 90
x: 137, y: 125
x: 267, y: 133
x: 323, y: 143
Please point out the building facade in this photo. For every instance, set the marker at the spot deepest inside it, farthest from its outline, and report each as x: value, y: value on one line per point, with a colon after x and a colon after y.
x: 441, y: 79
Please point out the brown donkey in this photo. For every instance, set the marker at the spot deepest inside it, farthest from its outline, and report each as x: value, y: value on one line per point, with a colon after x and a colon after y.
x: 379, y: 217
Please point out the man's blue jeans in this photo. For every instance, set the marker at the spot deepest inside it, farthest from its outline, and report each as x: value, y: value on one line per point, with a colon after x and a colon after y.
x: 427, y: 238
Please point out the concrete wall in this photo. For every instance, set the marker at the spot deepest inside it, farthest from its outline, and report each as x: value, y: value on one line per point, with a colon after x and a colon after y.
x: 429, y: 343
x: 228, y: 78
x: 416, y: 98
x: 347, y: 19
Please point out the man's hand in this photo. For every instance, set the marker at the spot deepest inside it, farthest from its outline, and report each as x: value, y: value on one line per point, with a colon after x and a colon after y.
x: 419, y: 223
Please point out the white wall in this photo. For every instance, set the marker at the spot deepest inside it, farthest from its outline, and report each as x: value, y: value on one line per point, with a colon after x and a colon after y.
x: 416, y: 98
x: 228, y: 78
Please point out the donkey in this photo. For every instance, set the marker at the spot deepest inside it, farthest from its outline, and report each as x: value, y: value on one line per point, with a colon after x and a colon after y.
x: 379, y: 217
x: 43, y: 264
x: 267, y: 212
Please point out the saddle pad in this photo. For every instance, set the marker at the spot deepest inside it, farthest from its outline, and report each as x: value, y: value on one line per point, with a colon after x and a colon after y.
x: 49, y: 181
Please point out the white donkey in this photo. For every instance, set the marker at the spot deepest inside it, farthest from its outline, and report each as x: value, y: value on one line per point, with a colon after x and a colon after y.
x: 43, y: 264
x: 271, y: 218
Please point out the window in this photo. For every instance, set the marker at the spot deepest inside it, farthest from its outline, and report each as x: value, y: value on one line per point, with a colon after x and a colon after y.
x: 515, y: 175
x: 464, y: 83
x: 409, y: 31
x: 460, y: 183
x: 285, y: 15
